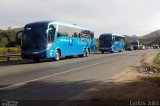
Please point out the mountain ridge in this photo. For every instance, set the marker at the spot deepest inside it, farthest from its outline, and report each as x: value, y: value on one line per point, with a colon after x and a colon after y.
x: 151, y: 38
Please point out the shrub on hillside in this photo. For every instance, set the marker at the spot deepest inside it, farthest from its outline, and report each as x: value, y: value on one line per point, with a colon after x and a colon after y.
x: 12, y: 50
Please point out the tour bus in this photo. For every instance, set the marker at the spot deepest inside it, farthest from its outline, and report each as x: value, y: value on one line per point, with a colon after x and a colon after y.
x: 111, y: 43
x: 135, y: 44
x: 55, y: 39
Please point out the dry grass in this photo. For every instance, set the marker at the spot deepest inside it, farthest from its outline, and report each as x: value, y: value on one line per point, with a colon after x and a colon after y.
x: 2, y: 60
x: 157, y: 60
x: 132, y: 85
x: 128, y: 86
x: 11, y: 50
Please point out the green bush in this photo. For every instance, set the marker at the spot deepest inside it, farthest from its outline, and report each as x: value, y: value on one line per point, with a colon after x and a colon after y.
x: 12, y: 50
x: 96, y: 43
x: 3, y: 51
x: 8, y: 37
x: 3, y: 41
x: 158, y: 58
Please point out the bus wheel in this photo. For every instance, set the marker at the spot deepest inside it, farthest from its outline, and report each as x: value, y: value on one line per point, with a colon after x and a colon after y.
x: 36, y: 60
x: 87, y: 52
x: 84, y: 53
x: 102, y: 52
x: 57, y: 57
x: 111, y: 51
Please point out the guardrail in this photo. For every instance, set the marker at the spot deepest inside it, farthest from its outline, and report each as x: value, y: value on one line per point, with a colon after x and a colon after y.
x: 8, y: 56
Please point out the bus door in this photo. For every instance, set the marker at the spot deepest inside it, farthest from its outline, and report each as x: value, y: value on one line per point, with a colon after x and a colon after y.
x: 116, y: 43
x: 64, y: 40
x: 92, y: 42
x: 81, y: 43
x: 75, y: 43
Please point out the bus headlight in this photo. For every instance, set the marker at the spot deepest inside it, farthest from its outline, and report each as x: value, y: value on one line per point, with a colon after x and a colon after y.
x: 48, y: 46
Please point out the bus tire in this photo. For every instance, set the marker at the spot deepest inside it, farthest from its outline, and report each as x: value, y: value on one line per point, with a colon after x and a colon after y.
x: 57, y: 56
x: 102, y: 52
x: 87, y: 52
x: 84, y: 53
x: 111, y: 51
x: 36, y: 60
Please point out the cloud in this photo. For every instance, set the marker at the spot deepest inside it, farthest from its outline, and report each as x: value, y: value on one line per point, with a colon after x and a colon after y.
x: 129, y: 17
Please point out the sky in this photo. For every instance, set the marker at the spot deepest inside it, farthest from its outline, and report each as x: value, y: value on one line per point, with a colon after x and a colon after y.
x: 124, y: 17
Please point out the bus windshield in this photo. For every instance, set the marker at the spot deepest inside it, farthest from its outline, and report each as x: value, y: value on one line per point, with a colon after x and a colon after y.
x: 34, y: 37
x: 134, y: 43
x: 105, y: 40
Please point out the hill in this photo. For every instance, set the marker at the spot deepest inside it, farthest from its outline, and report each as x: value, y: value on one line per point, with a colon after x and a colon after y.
x: 151, y: 38
x: 8, y: 37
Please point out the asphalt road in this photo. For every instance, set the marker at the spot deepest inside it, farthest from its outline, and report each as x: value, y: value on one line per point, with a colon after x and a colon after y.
x: 62, y: 80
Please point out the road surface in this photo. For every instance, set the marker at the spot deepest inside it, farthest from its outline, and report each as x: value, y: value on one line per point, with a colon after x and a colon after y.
x: 62, y: 80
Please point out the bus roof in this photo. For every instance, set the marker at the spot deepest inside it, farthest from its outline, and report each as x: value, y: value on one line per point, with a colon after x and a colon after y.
x: 38, y: 23
x: 69, y: 25
x: 105, y: 34
x: 57, y: 22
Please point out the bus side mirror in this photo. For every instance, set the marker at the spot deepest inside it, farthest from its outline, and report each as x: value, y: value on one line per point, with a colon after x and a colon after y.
x: 19, y: 35
x: 92, y: 35
x: 58, y: 35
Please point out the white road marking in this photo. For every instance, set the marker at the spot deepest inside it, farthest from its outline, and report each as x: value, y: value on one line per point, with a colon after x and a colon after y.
x: 54, y: 75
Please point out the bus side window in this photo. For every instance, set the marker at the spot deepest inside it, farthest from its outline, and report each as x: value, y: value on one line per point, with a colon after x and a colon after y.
x: 92, y: 35
x: 89, y: 36
x: 50, y: 36
x: 121, y: 39
x: 58, y: 35
x: 117, y: 38
x: 51, y: 32
x: 75, y: 34
x: 79, y: 35
x: 62, y: 31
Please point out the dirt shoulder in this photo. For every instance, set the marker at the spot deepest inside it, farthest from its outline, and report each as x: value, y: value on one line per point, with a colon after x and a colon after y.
x: 127, y: 86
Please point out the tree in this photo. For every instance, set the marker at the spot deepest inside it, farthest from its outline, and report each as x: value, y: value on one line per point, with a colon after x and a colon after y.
x: 8, y: 37
x: 96, y: 44
x: 127, y: 45
x: 3, y: 41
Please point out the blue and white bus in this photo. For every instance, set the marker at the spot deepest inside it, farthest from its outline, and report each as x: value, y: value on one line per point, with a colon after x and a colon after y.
x: 55, y: 39
x: 111, y: 43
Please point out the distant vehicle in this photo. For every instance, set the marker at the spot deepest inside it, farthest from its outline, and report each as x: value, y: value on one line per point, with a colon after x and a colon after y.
x: 151, y: 47
x: 135, y: 44
x: 142, y: 47
x: 55, y: 39
x: 148, y: 47
x: 111, y: 43
x: 155, y: 46
x: 130, y: 48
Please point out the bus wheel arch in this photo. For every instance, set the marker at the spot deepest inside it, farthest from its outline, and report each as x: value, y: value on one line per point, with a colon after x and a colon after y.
x: 84, y: 52
x: 111, y: 51
x: 102, y: 51
x: 59, y: 51
x: 87, y: 52
x: 36, y: 60
x: 58, y: 54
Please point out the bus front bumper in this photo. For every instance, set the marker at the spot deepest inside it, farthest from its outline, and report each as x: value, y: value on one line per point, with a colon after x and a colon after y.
x: 105, y: 49
x: 31, y: 55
